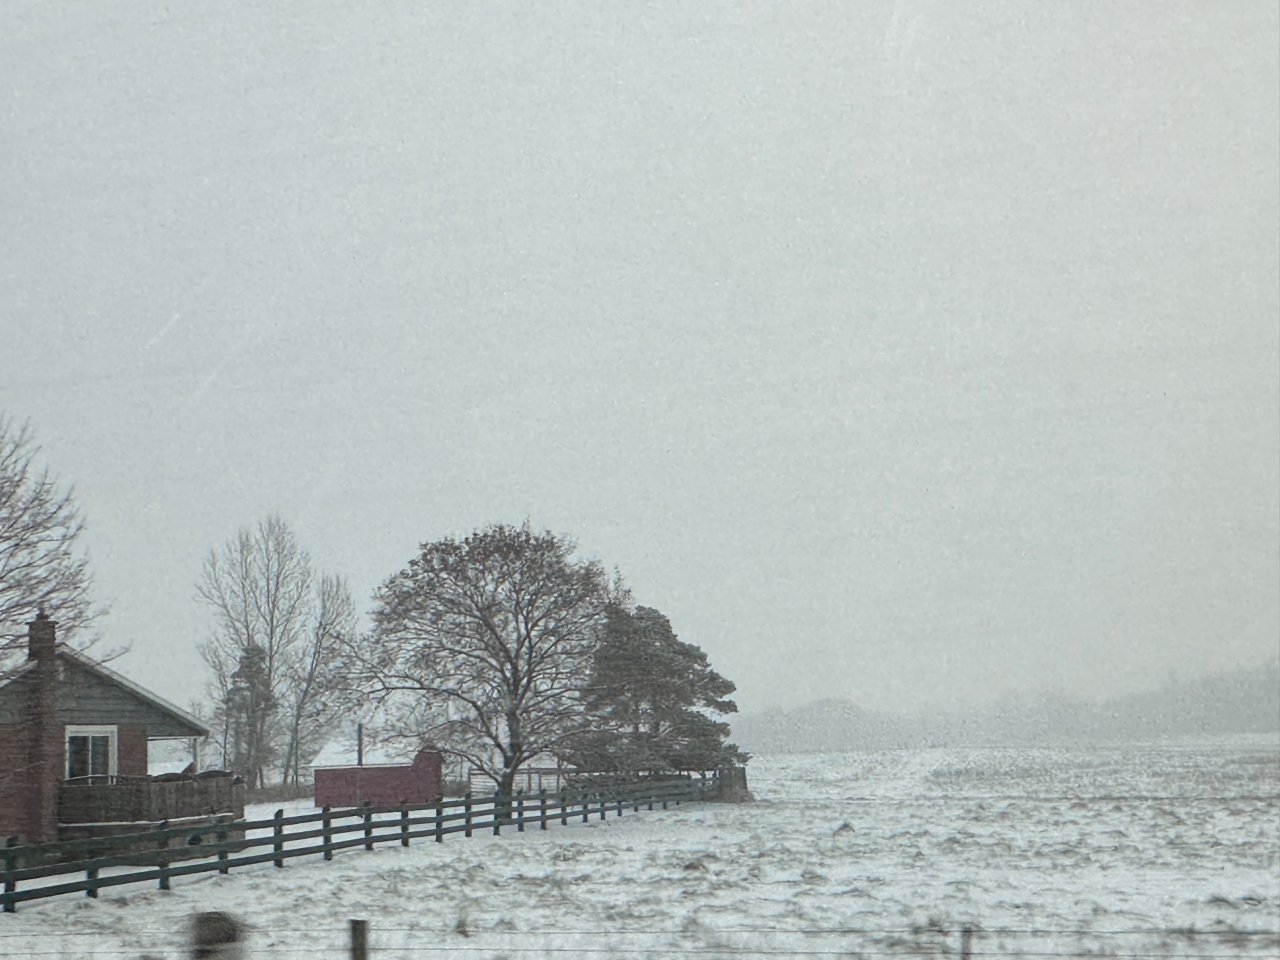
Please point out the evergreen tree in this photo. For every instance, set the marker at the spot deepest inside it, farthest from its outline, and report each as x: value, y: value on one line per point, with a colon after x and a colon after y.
x: 653, y: 696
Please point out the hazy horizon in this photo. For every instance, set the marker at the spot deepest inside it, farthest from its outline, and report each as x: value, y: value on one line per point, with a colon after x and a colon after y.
x: 898, y: 352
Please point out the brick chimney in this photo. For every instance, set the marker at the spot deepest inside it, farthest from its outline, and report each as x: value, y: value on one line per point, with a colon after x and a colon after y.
x: 41, y: 637
x: 45, y: 743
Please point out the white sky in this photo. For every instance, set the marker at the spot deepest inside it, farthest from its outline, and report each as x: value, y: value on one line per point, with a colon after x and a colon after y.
x: 898, y: 351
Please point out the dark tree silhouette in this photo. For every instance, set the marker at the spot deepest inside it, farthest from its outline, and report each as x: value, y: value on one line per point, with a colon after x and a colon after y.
x: 41, y: 564
x: 482, y: 647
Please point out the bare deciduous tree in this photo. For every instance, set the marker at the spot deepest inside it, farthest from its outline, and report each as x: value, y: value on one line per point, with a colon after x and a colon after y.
x: 41, y: 565
x: 313, y: 679
x: 482, y: 647
x: 270, y: 652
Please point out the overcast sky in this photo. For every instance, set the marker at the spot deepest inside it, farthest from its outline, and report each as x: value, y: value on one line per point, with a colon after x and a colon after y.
x: 899, y: 352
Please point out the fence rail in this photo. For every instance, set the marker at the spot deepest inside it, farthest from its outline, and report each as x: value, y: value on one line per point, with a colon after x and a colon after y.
x: 176, y: 851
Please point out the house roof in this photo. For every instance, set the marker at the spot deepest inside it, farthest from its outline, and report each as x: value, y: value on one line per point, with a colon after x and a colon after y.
x: 178, y: 722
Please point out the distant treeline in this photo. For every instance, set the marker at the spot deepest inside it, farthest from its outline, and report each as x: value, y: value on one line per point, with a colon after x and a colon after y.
x: 1243, y: 701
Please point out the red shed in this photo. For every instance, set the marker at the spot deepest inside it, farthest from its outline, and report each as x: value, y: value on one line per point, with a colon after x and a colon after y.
x: 381, y: 784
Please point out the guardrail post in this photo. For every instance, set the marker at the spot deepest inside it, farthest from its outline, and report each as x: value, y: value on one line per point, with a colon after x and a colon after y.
x: 440, y: 821
x: 10, y: 885
x: 404, y: 823
x: 542, y: 809
x: 277, y: 833
x: 327, y: 825
x: 466, y: 807
x: 368, y: 825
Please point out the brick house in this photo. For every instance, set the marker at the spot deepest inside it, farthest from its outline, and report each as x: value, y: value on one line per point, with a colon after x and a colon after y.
x: 73, y: 749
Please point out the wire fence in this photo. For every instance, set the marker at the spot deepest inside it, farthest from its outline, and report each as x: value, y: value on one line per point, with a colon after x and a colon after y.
x: 360, y: 940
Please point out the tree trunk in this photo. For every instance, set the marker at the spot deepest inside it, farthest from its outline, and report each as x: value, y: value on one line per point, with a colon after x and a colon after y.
x: 506, y: 783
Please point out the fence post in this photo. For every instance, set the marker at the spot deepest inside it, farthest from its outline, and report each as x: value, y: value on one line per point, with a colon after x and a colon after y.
x: 519, y: 811
x: 466, y: 807
x: 163, y: 872
x: 359, y: 940
x: 966, y: 942
x: 604, y: 804
x: 222, y: 846
x: 404, y: 823
x: 564, y: 808
x: 90, y: 876
x: 327, y: 826
x: 440, y: 820
x: 10, y: 885
x: 277, y: 833
x: 368, y: 825
x: 497, y: 801
x: 542, y: 809
x: 619, y: 798
x: 585, y: 797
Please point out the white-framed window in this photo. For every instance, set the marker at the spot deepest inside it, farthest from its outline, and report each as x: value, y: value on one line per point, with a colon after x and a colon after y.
x: 91, y: 751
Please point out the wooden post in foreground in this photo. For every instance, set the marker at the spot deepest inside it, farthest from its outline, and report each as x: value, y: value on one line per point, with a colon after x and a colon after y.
x: 359, y: 940
x: 216, y: 936
x: 966, y: 942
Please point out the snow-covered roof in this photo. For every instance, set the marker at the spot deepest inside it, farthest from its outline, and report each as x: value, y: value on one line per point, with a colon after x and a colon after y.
x: 341, y: 752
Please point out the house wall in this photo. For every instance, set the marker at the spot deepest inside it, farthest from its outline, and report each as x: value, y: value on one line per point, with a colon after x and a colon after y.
x: 131, y: 750
x: 383, y: 786
x: 13, y: 761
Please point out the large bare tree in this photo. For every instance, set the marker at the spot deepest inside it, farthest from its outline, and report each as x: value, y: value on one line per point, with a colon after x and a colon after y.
x: 270, y: 653
x: 482, y: 647
x: 41, y: 564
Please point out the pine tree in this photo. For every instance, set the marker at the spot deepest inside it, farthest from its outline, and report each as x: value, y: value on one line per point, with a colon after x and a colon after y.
x: 653, y: 696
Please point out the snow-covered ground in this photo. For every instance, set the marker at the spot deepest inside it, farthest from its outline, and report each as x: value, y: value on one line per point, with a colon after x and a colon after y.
x: 1045, y: 852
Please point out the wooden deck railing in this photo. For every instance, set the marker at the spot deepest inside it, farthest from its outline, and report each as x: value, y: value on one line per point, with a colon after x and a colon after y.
x: 125, y: 799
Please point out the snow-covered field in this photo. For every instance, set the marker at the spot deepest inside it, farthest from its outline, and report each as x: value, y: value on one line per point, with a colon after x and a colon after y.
x: 1154, y: 851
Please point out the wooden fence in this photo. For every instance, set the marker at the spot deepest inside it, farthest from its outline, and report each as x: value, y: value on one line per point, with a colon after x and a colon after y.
x: 157, y: 856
